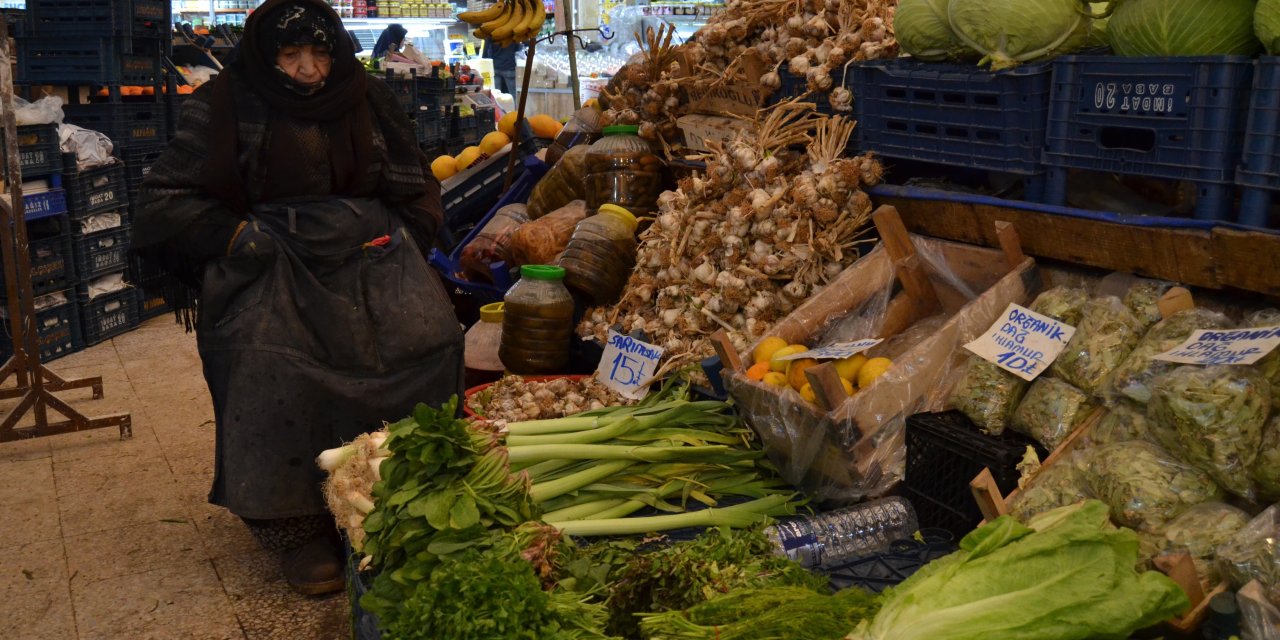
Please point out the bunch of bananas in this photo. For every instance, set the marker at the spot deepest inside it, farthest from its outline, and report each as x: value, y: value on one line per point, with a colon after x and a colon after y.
x: 507, y: 21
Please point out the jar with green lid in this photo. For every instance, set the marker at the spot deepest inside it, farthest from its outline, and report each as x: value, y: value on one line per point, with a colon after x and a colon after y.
x: 623, y: 170
x: 481, y: 344
x: 537, y: 322
x: 601, y: 254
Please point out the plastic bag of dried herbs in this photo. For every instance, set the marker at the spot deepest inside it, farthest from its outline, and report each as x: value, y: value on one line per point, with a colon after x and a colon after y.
x: 1143, y: 299
x: 1199, y: 531
x: 1051, y: 411
x: 1253, y: 553
x: 1266, y: 468
x: 1125, y: 422
x: 1065, y: 304
x: 1213, y: 417
x: 1132, y: 379
x: 1269, y: 365
x: 1057, y: 485
x: 988, y: 395
x: 1107, y: 333
x: 1144, y: 485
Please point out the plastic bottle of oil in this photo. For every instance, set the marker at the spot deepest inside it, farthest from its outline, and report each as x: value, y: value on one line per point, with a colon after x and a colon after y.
x: 583, y: 128
x: 537, y: 322
x: 601, y: 254
x: 623, y: 170
x: 481, y: 347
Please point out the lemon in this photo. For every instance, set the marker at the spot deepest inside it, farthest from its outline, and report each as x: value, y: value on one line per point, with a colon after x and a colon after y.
x: 808, y: 394
x: 444, y: 167
x: 780, y: 366
x: 507, y: 124
x: 776, y: 379
x: 493, y: 143
x: 874, y: 368
x: 848, y: 386
x: 468, y: 157
x: 767, y: 347
x: 848, y: 368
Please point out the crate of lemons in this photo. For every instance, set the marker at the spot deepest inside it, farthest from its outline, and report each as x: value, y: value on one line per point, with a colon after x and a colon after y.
x: 447, y: 166
x: 856, y: 372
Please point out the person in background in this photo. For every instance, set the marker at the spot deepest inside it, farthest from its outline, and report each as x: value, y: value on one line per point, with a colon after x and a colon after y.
x: 390, y: 41
x: 295, y: 206
x: 504, y: 65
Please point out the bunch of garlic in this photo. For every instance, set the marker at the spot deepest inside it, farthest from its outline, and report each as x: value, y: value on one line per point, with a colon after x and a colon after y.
x: 646, y: 93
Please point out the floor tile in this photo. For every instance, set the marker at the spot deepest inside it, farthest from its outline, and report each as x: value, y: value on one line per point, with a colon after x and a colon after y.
x: 182, y: 600
x: 103, y: 555
x: 100, y: 472
x: 32, y: 515
x: 28, y: 449
x: 33, y: 588
x: 222, y: 534
x: 19, y: 480
x: 269, y: 610
x: 106, y: 442
x: 138, y: 497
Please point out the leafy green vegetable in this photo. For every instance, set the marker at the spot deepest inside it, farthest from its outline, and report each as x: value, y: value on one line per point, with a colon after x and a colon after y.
x: 988, y: 395
x: 1125, y: 422
x: 1057, y: 485
x: 794, y: 613
x: 1064, y: 304
x: 1011, y: 32
x: 1269, y: 365
x: 924, y: 31
x: 1266, y: 469
x: 1145, y: 486
x: 1200, y: 530
x: 1253, y: 553
x: 1051, y: 411
x: 1266, y: 24
x: 1182, y: 28
x: 1143, y: 299
x: 1067, y: 575
x: 1133, y: 377
x: 1107, y: 333
x: 1212, y: 417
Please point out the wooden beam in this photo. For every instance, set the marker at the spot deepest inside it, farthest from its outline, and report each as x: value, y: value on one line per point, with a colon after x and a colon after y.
x: 826, y: 385
x: 728, y: 353
x: 987, y: 494
x: 1010, y: 243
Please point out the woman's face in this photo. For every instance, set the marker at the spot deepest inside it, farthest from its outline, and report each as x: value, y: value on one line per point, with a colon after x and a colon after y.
x: 306, y: 64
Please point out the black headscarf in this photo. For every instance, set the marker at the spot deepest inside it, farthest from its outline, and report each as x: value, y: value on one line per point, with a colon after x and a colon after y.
x: 391, y: 37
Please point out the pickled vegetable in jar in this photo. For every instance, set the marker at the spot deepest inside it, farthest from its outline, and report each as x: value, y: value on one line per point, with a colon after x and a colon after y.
x: 537, y: 322
x: 480, y: 347
x: 623, y: 170
x: 601, y: 254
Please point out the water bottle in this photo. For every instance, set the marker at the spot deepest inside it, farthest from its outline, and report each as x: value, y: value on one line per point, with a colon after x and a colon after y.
x: 833, y: 538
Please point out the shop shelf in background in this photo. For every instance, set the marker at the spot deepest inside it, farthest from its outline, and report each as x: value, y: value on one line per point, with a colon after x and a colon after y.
x: 98, y: 190
x: 102, y: 253
x: 1259, y: 173
x: 134, y: 18
x: 57, y: 323
x: 39, y: 151
x: 1171, y: 118
x: 945, y: 451
x: 88, y: 60
x: 951, y: 114
x: 128, y: 124
x: 108, y: 315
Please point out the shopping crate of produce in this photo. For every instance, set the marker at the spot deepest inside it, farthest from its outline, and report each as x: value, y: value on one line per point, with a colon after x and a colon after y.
x: 952, y: 114
x: 129, y: 123
x: 1172, y: 118
x: 1259, y: 173
x: 97, y: 190
x: 470, y: 195
x: 100, y: 253
x: 137, y: 164
x: 88, y: 60
x: 107, y: 315
x: 945, y: 451
x: 137, y: 18
x: 57, y: 325
x: 39, y: 151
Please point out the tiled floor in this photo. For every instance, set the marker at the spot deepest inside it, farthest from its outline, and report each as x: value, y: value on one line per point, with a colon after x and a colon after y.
x: 105, y: 538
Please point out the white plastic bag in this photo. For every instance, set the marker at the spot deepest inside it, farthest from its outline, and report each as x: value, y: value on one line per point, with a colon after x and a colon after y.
x: 92, y: 149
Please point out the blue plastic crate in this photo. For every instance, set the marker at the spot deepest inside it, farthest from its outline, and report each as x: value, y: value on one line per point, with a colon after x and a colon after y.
x: 129, y: 123
x: 57, y: 326
x: 1259, y: 172
x: 98, y: 190
x: 102, y: 253
x: 1173, y: 118
x: 49, y: 250
x: 88, y: 60
x: 138, y: 18
x: 951, y: 114
x: 39, y: 151
x: 45, y: 204
x: 794, y: 86
x: 106, y: 316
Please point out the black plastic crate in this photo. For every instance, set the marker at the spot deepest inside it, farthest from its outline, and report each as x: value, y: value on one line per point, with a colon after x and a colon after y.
x: 88, y: 60
x: 1171, y: 118
x: 945, y: 451
x: 107, y: 315
x: 137, y: 164
x: 52, y: 260
x: 129, y: 124
x: 138, y: 18
x: 468, y: 199
x: 794, y: 86
x: 150, y: 304
x: 432, y: 91
x: 952, y: 114
x: 98, y: 190
x: 1259, y: 172
x: 39, y: 151
x: 432, y: 127
x: 404, y: 87
x: 58, y: 328
x: 879, y: 571
x: 102, y: 253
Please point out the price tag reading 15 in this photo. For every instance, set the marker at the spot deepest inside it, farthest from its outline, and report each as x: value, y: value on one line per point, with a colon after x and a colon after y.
x: 628, y: 365
x: 1022, y: 342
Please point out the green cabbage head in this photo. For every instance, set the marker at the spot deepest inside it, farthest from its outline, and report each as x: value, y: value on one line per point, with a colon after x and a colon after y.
x: 1266, y: 23
x: 1182, y: 27
x: 924, y: 31
x: 1010, y: 32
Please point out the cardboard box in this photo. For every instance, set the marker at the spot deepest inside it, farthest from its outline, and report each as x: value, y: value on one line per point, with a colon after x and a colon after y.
x: 698, y: 129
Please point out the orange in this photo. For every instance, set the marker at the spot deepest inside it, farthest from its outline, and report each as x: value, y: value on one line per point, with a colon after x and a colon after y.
x: 757, y: 371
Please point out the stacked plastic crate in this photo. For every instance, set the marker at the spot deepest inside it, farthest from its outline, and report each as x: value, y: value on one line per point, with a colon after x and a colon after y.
x: 98, y: 200
x: 53, y: 273
x: 148, y: 283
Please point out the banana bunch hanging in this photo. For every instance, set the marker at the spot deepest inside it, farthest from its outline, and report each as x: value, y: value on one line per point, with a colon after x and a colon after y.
x: 508, y: 21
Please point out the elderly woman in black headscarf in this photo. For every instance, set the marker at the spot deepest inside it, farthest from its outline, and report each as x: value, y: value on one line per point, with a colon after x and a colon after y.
x: 295, y: 206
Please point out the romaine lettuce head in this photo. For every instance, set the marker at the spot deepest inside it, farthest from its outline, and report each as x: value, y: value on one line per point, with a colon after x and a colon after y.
x: 1068, y: 576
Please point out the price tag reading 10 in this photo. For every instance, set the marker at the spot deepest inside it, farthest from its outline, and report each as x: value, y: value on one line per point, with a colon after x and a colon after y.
x: 1023, y: 342
x: 628, y: 365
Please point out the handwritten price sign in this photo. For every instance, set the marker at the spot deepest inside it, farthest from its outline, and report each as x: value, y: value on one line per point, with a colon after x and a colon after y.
x: 1023, y: 342
x: 1239, y: 346
x: 628, y: 365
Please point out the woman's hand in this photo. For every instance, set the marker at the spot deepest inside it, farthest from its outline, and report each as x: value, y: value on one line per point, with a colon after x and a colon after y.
x: 251, y: 240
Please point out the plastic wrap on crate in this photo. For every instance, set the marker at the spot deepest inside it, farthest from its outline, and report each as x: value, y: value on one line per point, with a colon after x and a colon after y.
x: 127, y: 124
x: 1259, y: 617
x: 1254, y: 554
x: 858, y: 449
x: 469, y: 196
